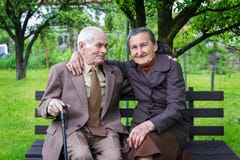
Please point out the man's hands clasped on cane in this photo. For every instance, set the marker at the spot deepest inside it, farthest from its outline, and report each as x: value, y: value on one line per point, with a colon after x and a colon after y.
x: 55, y: 107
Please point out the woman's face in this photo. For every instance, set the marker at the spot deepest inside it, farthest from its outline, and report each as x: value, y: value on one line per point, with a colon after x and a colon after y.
x: 142, y: 50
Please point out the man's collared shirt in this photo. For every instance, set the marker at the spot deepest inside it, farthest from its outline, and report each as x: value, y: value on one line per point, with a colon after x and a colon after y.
x: 87, y: 79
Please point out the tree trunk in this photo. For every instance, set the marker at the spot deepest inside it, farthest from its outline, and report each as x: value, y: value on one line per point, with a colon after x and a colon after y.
x: 20, y: 72
x: 20, y: 64
x: 165, y: 21
x: 20, y: 68
x: 140, y: 13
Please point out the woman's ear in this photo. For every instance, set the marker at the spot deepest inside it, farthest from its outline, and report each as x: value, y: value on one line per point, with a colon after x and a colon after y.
x: 155, y: 47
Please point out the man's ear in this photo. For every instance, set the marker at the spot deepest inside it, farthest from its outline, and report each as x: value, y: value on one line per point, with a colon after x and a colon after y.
x: 81, y: 45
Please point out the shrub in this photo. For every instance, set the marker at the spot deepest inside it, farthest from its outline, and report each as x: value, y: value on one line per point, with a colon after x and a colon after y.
x: 8, y: 61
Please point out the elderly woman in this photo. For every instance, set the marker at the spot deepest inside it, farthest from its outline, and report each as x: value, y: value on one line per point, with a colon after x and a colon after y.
x: 159, y: 127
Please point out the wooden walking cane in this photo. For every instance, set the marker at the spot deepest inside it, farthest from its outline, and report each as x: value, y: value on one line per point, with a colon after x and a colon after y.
x: 63, y: 120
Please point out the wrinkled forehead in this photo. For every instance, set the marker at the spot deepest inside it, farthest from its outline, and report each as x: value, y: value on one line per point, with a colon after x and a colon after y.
x: 99, y: 37
x: 139, y: 37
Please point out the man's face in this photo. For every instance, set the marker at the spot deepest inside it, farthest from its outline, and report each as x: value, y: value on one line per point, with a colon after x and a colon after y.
x: 142, y: 50
x: 93, y: 53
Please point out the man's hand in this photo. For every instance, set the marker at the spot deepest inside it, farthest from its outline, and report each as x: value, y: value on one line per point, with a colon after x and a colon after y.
x: 55, y: 107
x: 75, y: 64
x: 138, y: 133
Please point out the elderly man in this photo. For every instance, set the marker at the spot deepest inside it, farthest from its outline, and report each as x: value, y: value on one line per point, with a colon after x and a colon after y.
x: 94, y: 126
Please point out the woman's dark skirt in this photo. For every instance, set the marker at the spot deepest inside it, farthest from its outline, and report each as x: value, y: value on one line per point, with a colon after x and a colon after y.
x: 163, y: 146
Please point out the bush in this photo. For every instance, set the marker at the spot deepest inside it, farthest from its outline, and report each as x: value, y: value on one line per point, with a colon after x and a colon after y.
x: 8, y: 61
x: 59, y: 57
x: 35, y: 61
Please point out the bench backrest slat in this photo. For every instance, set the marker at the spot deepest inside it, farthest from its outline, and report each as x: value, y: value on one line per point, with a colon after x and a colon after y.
x: 205, y: 112
x: 192, y: 112
x: 204, y: 96
x: 194, y: 130
x: 190, y: 96
x: 206, y: 131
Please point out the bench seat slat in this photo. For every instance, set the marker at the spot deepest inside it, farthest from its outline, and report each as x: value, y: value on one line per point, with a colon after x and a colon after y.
x: 202, y: 149
x: 211, y: 150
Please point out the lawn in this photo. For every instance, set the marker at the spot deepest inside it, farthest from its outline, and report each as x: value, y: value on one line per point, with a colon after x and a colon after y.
x: 17, y: 109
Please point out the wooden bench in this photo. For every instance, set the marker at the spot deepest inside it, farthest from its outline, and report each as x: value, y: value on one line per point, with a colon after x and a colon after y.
x: 202, y: 149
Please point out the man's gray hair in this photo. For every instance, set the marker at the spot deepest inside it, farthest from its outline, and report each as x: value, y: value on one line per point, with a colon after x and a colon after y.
x: 86, y: 35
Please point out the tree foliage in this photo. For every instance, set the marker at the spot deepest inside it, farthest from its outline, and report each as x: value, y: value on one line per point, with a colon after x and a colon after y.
x: 25, y: 20
x: 4, y: 38
x: 193, y: 20
x: 206, y: 18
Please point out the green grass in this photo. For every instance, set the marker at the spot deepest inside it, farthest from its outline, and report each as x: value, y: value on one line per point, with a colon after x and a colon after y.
x: 17, y: 109
x: 230, y: 84
x: 17, y: 112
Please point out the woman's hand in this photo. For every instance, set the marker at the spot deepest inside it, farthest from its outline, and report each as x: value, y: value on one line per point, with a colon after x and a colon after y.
x: 138, y: 133
x: 75, y: 64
